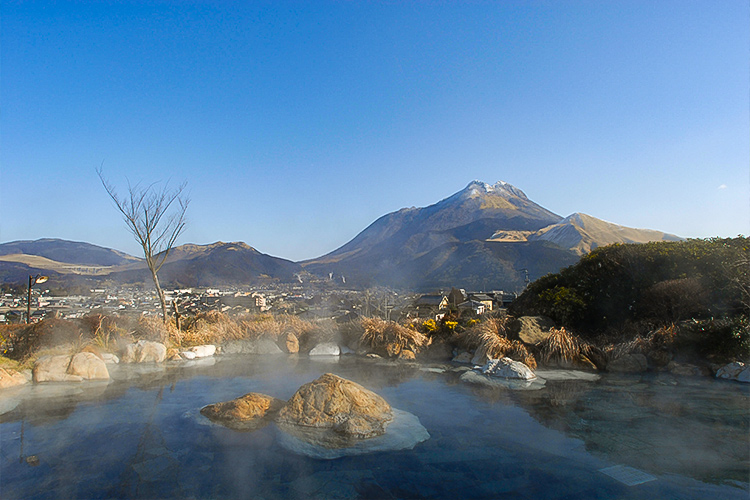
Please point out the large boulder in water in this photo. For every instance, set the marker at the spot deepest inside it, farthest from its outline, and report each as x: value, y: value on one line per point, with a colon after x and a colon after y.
x: 338, y: 404
x: 89, y: 366
x: 248, y: 412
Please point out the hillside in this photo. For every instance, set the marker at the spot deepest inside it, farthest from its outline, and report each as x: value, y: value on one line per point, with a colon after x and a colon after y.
x: 219, y: 263
x: 581, y: 233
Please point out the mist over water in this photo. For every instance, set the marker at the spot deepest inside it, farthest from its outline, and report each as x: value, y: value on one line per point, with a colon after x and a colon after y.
x: 142, y: 436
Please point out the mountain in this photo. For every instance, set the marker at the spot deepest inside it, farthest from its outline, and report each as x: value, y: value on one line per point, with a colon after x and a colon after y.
x: 483, y: 237
x: 187, y: 265
x: 220, y: 263
x: 64, y: 252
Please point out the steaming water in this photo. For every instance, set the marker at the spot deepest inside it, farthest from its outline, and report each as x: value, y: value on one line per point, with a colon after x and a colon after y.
x: 141, y: 436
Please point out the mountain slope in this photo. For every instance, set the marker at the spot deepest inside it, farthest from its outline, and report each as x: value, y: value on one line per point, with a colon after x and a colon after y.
x: 216, y: 264
x: 485, y: 236
x: 441, y: 244
x: 67, y: 252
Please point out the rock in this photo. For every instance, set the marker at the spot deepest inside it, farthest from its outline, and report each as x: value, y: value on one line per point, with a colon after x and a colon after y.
x: 89, y: 366
x: 738, y: 371
x: 479, y: 359
x: 684, y: 369
x: 203, y: 351
x: 260, y: 346
x: 11, y: 378
x: 144, y: 351
x: 188, y: 355
x: 325, y: 349
x: 53, y: 369
x: 392, y: 349
x: 407, y: 354
x: 463, y: 357
x: 629, y: 363
x: 514, y: 384
x: 110, y: 358
x: 346, y: 350
x: 335, y: 403
x: 372, y: 355
x: 507, y: 368
x: 659, y: 358
x: 437, y: 351
x: 248, y: 412
x: 291, y: 343
x: 404, y: 433
x: 530, y: 329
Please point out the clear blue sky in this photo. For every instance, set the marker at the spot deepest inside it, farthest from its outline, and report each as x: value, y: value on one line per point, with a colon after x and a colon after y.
x: 297, y: 124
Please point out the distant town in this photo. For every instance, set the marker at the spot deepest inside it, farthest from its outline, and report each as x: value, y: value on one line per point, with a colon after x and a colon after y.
x: 304, y: 302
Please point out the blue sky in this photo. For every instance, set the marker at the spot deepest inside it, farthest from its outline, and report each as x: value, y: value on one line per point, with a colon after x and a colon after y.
x: 297, y: 124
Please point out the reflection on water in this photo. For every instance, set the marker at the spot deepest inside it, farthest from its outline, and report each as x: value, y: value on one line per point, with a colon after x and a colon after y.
x: 141, y: 436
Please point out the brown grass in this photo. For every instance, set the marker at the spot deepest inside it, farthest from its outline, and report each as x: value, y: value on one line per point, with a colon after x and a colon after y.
x: 489, y: 338
x: 388, y: 338
x: 561, y: 346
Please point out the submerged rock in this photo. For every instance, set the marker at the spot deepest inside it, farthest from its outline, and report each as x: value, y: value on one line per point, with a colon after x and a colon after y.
x: 248, y: 412
x: 144, y: 351
x: 335, y: 403
x: 507, y: 368
x: 515, y: 384
x: 738, y: 371
x: 404, y: 433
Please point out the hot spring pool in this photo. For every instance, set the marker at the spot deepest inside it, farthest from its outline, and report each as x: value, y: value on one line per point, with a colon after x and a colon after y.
x: 141, y: 436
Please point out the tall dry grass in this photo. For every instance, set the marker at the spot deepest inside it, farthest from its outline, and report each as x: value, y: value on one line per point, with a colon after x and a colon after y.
x: 489, y: 339
x: 562, y: 347
x: 388, y: 338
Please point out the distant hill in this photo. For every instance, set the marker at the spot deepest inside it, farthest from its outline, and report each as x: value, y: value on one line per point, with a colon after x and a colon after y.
x: 187, y: 265
x: 581, y: 233
x: 483, y: 237
x: 67, y: 252
x: 216, y: 264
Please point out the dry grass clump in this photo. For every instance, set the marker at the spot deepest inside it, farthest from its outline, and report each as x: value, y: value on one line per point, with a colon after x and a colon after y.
x: 661, y: 339
x: 488, y: 338
x: 153, y: 328
x: 561, y: 347
x: 27, y: 340
x: 388, y: 338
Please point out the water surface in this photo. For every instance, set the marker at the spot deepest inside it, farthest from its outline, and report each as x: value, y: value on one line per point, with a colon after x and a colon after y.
x: 141, y: 436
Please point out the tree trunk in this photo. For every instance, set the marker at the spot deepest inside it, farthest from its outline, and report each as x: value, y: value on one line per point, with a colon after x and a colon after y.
x: 160, y: 293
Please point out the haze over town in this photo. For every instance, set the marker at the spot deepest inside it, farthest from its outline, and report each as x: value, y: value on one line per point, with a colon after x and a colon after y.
x: 298, y: 125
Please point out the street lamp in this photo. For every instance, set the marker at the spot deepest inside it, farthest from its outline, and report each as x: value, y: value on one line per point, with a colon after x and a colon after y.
x: 33, y: 280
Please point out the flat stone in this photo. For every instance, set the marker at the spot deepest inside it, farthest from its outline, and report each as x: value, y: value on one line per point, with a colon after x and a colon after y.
x: 473, y: 377
x: 260, y: 346
x: 507, y: 368
x: 325, y: 349
x: 203, y: 351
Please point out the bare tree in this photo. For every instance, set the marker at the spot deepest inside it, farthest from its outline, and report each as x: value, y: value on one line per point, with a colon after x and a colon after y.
x: 156, y: 217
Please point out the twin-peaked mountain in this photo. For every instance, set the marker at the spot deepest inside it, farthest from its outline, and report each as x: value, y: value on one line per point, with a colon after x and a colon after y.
x: 483, y: 237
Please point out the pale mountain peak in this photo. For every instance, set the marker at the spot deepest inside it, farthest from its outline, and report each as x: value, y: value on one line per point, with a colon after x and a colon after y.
x: 501, y: 188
